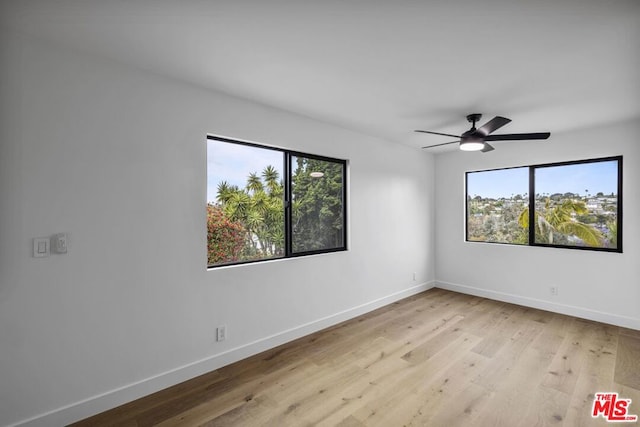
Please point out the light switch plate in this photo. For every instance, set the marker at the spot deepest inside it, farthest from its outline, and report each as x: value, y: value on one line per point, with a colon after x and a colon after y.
x: 41, y: 247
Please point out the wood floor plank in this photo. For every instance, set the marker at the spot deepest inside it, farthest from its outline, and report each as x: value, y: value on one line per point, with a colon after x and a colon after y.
x: 633, y: 394
x: 393, y: 395
x: 565, y: 368
x: 464, y: 409
x: 320, y: 394
x: 438, y: 358
x: 630, y: 332
x: 444, y: 385
x: 627, y: 372
x: 505, y: 360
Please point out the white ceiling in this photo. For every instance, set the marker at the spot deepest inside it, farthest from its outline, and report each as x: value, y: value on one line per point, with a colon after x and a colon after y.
x: 383, y: 68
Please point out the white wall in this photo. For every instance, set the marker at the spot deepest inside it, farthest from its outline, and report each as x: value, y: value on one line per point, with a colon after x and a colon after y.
x: 116, y: 157
x: 595, y: 285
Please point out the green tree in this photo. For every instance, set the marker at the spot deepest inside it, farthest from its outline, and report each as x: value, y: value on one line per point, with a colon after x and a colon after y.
x: 556, y: 222
x: 259, y: 208
x: 224, y: 192
x: 272, y: 180
x: 317, y: 209
x: 613, y: 233
x: 254, y: 184
x: 317, y: 215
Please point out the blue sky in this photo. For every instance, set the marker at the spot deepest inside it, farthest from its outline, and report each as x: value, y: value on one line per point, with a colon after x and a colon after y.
x: 234, y: 162
x: 594, y: 177
x: 498, y: 183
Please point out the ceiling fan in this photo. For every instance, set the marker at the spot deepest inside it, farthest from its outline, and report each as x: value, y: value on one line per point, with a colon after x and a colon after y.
x: 476, y: 139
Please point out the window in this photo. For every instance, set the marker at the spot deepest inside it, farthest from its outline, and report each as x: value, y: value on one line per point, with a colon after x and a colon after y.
x: 266, y: 203
x: 495, y: 201
x: 318, y: 204
x: 576, y: 204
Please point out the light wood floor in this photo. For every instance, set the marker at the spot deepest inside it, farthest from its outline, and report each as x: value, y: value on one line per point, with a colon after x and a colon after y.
x: 435, y: 359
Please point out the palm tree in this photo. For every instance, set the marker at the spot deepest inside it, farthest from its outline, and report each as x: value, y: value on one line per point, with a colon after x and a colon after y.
x: 254, y: 223
x: 258, y: 206
x: 613, y: 233
x: 260, y: 202
x: 254, y: 184
x: 238, y: 206
x: 271, y: 176
x: 224, y: 192
x: 559, y: 219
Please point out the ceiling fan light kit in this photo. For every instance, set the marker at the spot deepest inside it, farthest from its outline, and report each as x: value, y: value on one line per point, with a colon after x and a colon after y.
x: 476, y: 139
x: 468, y: 144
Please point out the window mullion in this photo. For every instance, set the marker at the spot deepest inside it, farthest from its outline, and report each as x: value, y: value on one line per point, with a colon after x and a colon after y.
x: 288, y: 204
x: 532, y: 205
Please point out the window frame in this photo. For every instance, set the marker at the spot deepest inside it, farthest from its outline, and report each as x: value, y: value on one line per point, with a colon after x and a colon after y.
x: 532, y: 204
x: 287, y: 171
x: 466, y: 215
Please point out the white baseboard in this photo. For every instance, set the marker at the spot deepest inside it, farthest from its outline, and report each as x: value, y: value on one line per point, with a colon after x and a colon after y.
x: 96, y: 404
x: 584, y: 313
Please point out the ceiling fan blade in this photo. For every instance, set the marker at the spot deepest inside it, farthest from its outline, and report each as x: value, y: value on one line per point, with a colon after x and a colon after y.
x: 492, y: 125
x: 518, y: 136
x: 438, y: 133
x: 487, y: 148
x: 438, y: 145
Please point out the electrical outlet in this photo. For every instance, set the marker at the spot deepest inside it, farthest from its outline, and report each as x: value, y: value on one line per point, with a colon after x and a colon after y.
x: 553, y: 290
x: 221, y: 333
x: 414, y: 276
x: 59, y: 243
